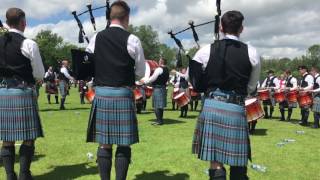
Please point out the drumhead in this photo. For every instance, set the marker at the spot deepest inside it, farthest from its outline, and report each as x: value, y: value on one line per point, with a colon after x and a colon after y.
x: 149, y: 87
x: 250, y: 101
x: 265, y: 90
x: 179, y: 95
x: 175, y: 89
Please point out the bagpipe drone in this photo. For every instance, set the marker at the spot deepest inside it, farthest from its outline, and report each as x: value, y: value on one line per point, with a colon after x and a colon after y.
x: 82, y: 63
x: 196, y: 73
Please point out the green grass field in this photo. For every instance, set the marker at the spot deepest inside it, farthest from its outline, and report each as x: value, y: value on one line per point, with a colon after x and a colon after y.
x: 164, y: 152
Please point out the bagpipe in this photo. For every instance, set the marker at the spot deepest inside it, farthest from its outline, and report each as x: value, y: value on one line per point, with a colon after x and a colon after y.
x: 196, y: 73
x: 82, y: 62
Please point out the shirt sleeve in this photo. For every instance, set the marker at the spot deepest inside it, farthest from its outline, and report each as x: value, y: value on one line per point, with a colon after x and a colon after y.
x: 155, y: 75
x: 136, y: 52
x: 31, y: 51
x: 294, y: 82
x: 317, y: 90
x: 256, y: 69
x: 276, y: 82
x: 203, y: 56
x: 46, y: 75
x: 66, y: 73
x: 310, y: 82
x: 91, y: 45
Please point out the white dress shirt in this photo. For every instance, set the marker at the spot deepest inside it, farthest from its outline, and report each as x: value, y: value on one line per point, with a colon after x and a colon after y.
x: 30, y: 50
x: 203, y: 56
x: 134, y: 48
x: 65, y: 72
x: 154, y: 76
x: 310, y: 80
x: 276, y: 82
x: 48, y: 73
x: 317, y: 78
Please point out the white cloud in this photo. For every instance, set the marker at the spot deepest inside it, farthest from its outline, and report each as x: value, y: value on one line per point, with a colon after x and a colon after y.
x: 277, y: 28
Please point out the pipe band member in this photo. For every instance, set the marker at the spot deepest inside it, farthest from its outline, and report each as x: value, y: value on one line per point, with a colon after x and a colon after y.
x: 20, y: 68
x: 119, y: 58
x: 64, y: 78
x: 159, y: 81
x: 51, y: 87
x: 306, y: 84
x: 229, y: 69
x: 271, y: 83
x: 316, y: 97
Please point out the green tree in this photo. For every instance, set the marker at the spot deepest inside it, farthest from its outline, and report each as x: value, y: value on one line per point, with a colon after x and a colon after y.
x: 52, y: 48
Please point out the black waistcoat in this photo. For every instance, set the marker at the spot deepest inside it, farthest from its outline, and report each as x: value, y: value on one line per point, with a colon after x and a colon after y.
x: 163, y: 78
x: 13, y: 64
x: 303, y: 82
x: 232, y: 69
x: 288, y: 83
x: 113, y: 64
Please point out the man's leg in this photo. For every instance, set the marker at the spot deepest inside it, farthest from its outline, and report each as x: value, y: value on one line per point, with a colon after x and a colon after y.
x: 104, y: 160
x: 26, y: 154
x: 8, y: 158
x: 238, y: 173
x: 122, y: 161
x: 217, y: 171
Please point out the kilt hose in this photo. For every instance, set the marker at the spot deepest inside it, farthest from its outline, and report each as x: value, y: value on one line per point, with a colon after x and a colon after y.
x: 63, y: 88
x: 159, y: 97
x: 19, y: 117
x: 221, y: 134
x: 113, y: 118
x: 51, y: 88
x: 316, y: 104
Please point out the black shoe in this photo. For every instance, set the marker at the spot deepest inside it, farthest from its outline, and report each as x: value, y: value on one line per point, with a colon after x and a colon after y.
x: 303, y: 123
x: 315, y: 127
x: 12, y: 176
x: 288, y: 119
x: 266, y: 117
x: 62, y: 108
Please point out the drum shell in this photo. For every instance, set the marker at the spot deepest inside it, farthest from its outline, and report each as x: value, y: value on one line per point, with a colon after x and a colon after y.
x: 90, y: 95
x: 305, y: 99
x: 254, y: 110
x: 137, y: 94
x: 149, y: 91
x: 264, y: 95
x: 279, y: 96
x: 292, y: 96
x: 182, y: 99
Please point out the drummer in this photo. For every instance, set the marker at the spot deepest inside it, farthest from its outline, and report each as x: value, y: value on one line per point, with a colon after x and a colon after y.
x: 316, y: 94
x: 174, y: 81
x: 306, y: 84
x: 270, y: 83
x: 291, y: 84
x: 183, y: 87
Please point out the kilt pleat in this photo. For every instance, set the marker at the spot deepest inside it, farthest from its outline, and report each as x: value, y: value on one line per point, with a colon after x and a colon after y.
x: 19, y: 116
x: 221, y: 134
x: 316, y: 104
x: 159, y: 97
x: 63, y: 88
x: 51, y: 88
x: 113, y: 118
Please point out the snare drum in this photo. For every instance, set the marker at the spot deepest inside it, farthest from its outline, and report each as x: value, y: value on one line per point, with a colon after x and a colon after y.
x: 181, y: 99
x: 137, y: 94
x: 264, y: 95
x: 279, y: 96
x: 305, y: 99
x: 149, y: 91
x: 253, y: 109
x: 292, y: 96
x: 90, y: 95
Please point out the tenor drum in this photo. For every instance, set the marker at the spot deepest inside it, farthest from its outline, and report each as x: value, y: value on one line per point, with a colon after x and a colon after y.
x: 264, y: 95
x: 253, y: 109
x: 279, y: 96
x: 192, y: 92
x: 181, y: 99
x: 149, y: 91
x: 305, y: 99
x: 153, y: 65
x: 90, y: 95
x: 292, y: 96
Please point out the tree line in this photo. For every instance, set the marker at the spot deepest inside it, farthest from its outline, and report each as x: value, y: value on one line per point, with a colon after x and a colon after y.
x: 53, y: 49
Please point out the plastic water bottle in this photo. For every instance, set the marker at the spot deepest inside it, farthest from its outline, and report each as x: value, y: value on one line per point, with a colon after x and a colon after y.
x: 300, y: 132
x: 259, y: 168
x: 289, y: 140
x: 90, y: 156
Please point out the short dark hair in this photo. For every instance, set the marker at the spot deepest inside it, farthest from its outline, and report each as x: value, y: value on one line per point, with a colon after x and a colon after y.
x: 164, y: 60
x: 314, y: 68
x: 288, y: 71
x: 231, y: 22
x: 14, y: 16
x: 119, y: 10
x: 303, y: 67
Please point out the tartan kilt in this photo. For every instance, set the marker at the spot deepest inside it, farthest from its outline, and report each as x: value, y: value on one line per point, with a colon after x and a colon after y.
x: 143, y: 92
x: 221, y: 134
x: 316, y: 104
x: 113, y: 118
x: 19, y: 117
x: 63, y: 88
x: 51, y: 88
x: 196, y: 98
x: 159, y: 97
